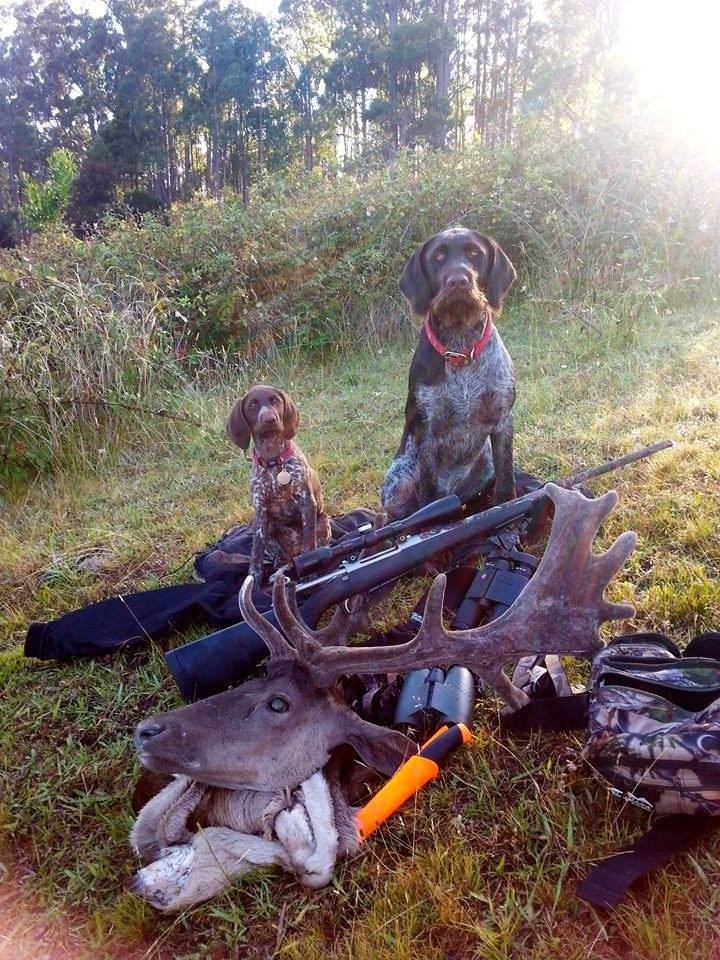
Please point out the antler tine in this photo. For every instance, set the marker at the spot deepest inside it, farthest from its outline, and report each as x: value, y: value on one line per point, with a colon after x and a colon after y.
x: 336, y: 633
x: 578, y: 520
x: 428, y: 648
x: 345, y: 622
x: 560, y: 610
x: 289, y: 618
x: 271, y: 636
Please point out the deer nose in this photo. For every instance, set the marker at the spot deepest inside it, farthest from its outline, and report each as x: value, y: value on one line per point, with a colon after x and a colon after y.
x: 148, y: 730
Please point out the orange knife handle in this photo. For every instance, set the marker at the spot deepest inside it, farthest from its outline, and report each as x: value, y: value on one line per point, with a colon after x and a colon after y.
x: 411, y: 777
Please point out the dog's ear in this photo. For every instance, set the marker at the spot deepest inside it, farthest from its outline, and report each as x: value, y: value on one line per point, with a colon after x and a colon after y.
x: 291, y: 416
x: 500, y: 274
x: 237, y: 428
x: 414, y: 284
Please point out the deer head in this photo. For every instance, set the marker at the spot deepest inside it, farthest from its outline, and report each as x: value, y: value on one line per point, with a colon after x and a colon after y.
x: 274, y: 732
x: 270, y: 733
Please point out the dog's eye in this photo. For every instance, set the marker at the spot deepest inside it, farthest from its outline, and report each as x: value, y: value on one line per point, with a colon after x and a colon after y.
x: 252, y: 404
x: 473, y: 252
x: 439, y: 256
x: 278, y: 705
x: 275, y: 400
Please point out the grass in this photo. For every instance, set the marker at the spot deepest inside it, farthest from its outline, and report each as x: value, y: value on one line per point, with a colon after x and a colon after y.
x: 484, y: 863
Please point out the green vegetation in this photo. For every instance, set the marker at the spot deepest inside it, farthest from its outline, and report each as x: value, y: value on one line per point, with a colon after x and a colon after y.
x: 45, y: 202
x: 247, y: 192
x: 97, y: 332
x: 159, y: 99
x: 485, y: 863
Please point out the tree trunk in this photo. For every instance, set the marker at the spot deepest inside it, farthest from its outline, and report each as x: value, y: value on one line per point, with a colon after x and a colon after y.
x: 446, y: 14
x: 243, y: 160
x: 393, y: 84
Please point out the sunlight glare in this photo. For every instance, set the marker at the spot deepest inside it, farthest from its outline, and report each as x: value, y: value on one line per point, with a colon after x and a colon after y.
x: 672, y: 52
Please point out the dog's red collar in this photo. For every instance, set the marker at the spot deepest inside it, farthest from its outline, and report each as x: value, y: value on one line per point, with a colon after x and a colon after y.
x: 460, y: 359
x: 285, y: 454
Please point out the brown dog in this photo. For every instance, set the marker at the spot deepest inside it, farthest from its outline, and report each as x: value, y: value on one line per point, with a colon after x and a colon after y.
x: 288, y: 502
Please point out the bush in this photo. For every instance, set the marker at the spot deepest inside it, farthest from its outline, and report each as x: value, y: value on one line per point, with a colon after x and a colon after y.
x: 140, y: 202
x: 45, y: 202
x: 72, y: 363
x: 9, y: 232
x: 93, y: 194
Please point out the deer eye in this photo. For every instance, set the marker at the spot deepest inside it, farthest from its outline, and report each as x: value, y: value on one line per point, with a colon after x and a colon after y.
x: 278, y: 705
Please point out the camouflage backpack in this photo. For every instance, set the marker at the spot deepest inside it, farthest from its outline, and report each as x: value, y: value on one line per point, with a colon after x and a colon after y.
x: 653, y: 732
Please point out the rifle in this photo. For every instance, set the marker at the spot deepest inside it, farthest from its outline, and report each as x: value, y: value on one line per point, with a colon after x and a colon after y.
x: 330, y: 575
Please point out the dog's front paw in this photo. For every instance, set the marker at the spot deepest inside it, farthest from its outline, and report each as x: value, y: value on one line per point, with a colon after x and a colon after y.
x: 163, y: 882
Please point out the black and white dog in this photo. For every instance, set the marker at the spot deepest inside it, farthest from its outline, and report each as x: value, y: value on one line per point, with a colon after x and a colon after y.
x: 458, y: 415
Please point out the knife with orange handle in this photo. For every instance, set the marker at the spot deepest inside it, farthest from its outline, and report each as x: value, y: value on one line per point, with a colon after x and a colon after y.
x: 412, y: 776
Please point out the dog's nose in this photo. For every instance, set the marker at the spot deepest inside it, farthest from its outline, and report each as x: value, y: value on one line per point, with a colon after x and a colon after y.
x: 268, y: 415
x: 458, y: 280
x: 147, y: 730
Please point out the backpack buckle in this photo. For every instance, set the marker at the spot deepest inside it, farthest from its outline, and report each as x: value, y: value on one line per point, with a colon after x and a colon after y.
x: 631, y: 798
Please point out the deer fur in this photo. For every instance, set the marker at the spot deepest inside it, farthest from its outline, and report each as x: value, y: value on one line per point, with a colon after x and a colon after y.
x: 302, y: 833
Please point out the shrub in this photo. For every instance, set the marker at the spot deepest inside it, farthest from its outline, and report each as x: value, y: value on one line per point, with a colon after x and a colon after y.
x: 93, y: 194
x: 45, y: 202
x: 9, y: 233
x: 140, y: 202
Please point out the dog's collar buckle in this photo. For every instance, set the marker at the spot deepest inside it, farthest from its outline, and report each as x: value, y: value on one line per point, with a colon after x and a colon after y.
x: 452, y: 357
x: 285, y: 454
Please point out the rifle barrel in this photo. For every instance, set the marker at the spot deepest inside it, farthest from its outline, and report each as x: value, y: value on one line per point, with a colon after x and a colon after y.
x: 611, y: 465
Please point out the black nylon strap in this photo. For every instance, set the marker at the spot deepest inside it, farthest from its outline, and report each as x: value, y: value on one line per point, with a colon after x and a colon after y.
x: 608, y: 882
x: 548, y: 713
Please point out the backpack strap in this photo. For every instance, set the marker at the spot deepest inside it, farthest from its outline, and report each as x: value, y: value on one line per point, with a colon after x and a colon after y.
x: 608, y: 881
x: 554, y: 705
x: 548, y: 713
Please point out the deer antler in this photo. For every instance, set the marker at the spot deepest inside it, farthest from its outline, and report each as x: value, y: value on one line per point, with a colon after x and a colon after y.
x: 276, y: 643
x: 303, y: 642
x: 560, y: 610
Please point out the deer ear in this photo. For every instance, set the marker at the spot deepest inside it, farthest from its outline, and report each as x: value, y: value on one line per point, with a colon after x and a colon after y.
x: 414, y: 284
x: 382, y: 749
x: 291, y: 416
x: 237, y: 427
x: 500, y: 275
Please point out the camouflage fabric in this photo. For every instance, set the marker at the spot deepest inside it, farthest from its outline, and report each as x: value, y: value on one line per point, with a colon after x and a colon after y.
x: 647, y: 747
